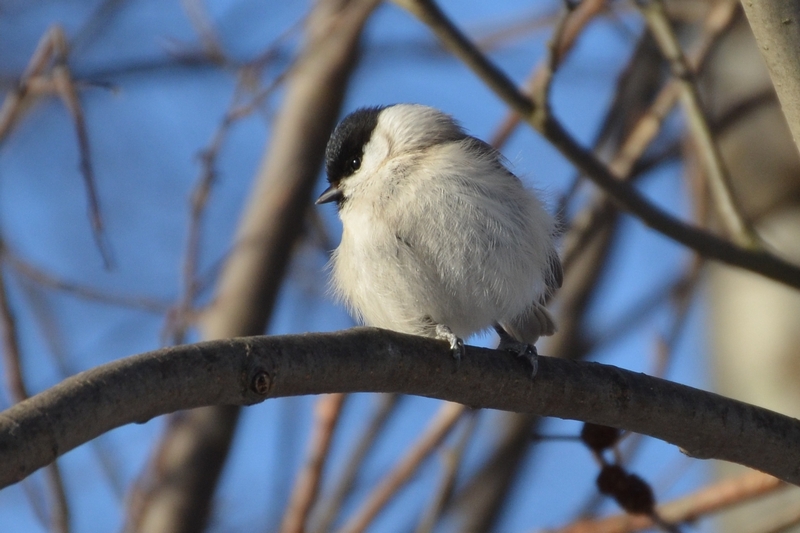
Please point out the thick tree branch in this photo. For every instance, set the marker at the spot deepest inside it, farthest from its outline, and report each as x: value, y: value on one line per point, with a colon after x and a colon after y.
x: 248, y: 370
x: 776, y: 27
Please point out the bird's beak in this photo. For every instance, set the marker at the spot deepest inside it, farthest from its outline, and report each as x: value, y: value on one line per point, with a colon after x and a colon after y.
x: 331, y: 194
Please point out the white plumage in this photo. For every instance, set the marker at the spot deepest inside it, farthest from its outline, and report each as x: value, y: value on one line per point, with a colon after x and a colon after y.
x: 436, y: 231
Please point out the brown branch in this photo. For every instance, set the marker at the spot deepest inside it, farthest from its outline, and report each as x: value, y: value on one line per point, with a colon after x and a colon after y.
x: 713, y: 498
x: 60, y: 513
x: 46, y: 279
x: 331, y: 507
x: 306, y: 488
x: 451, y: 459
x: 441, y: 425
x: 65, y: 87
x: 623, y: 194
x: 570, y: 27
x: 35, y: 82
x: 728, y: 208
x: 248, y: 370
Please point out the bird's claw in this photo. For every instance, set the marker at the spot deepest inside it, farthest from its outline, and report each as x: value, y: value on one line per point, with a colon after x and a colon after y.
x: 522, y: 349
x: 456, y: 344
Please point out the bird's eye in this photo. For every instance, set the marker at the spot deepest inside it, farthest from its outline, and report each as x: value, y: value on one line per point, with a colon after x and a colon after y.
x: 354, y: 164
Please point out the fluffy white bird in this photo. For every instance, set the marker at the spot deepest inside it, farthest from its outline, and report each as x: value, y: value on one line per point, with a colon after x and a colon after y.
x: 439, y: 237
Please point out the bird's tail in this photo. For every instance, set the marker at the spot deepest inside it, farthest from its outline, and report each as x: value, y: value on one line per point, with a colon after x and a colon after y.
x: 529, y: 326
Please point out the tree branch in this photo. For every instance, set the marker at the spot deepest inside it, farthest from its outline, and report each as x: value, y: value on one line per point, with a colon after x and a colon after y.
x: 623, y: 194
x: 248, y: 370
x: 776, y: 27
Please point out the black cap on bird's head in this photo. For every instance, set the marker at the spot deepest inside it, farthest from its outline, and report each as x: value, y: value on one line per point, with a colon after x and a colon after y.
x: 346, y: 148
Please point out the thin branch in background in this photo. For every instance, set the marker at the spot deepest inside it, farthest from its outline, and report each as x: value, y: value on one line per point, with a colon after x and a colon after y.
x: 18, y: 100
x: 570, y: 27
x: 441, y: 425
x: 682, y: 296
x: 328, y: 509
x: 200, y: 21
x: 183, y: 314
x: 327, y: 412
x: 43, y: 314
x: 540, y: 89
x: 638, y: 312
x: 95, y: 24
x: 492, y: 37
x: 10, y: 343
x: 710, y: 499
x: 36, y: 501
x: 60, y: 513
x: 46, y: 279
x: 725, y: 201
x: 647, y: 127
x: 451, y: 462
x: 53, y: 50
x: 699, y: 240
x: 65, y: 86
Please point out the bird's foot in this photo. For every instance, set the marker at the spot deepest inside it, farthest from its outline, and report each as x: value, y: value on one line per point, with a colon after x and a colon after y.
x: 521, y: 349
x: 456, y: 344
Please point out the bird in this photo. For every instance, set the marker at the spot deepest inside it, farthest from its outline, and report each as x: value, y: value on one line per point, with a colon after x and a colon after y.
x: 439, y: 237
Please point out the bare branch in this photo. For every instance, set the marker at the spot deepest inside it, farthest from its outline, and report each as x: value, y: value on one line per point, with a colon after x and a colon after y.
x: 306, y: 488
x: 36, y: 81
x: 248, y: 370
x: 46, y: 279
x: 441, y: 425
x: 728, y: 208
x: 332, y: 506
x: 60, y: 513
x: 715, y: 497
x: 451, y: 462
x: 623, y: 194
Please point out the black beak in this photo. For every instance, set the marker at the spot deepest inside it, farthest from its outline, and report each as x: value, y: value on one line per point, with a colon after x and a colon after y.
x: 331, y: 194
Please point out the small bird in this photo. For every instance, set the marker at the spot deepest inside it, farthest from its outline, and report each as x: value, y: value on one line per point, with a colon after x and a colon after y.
x: 439, y: 238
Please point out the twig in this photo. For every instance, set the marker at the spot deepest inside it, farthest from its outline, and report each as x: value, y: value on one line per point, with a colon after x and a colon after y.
x: 639, y: 311
x: 330, y: 508
x: 11, y: 353
x: 540, y: 92
x: 707, y: 500
x: 494, y: 35
x: 65, y: 87
x: 727, y: 205
x: 60, y: 513
x: 198, y: 17
x: 49, y: 280
x: 53, y: 48
x: 438, y: 429
x: 569, y: 28
x: 451, y: 459
x: 44, y: 316
x: 183, y: 313
x: 623, y: 194
x: 647, y: 127
x: 306, y: 488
